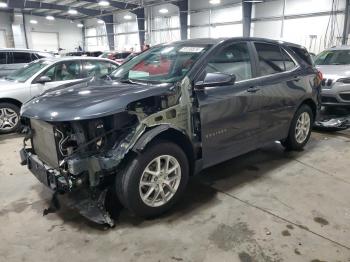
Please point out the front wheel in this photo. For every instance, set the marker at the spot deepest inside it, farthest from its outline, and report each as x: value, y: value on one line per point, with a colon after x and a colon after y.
x: 153, y: 181
x: 9, y: 118
x: 300, y: 129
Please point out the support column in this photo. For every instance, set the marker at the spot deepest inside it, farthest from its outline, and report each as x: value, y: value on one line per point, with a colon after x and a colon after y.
x: 140, y: 14
x: 346, y: 23
x: 247, y: 17
x: 183, y: 9
x: 109, y: 23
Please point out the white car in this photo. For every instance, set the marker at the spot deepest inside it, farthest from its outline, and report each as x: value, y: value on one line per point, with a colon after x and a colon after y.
x: 41, y: 75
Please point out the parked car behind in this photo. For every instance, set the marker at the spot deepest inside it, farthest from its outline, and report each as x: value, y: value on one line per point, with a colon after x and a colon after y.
x: 13, y: 59
x: 41, y: 75
x: 118, y: 57
x: 334, y: 64
x: 85, y: 53
x: 143, y: 134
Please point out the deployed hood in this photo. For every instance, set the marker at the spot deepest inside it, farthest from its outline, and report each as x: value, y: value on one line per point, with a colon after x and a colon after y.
x: 88, y: 100
x: 334, y: 71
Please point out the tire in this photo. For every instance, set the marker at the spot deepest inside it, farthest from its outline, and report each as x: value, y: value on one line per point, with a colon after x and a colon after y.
x: 131, y: 192
x: 293, y: 142
x: 9, y: 118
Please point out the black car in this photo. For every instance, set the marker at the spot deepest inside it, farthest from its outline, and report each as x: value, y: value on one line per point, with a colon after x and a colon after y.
x: 166, y: 115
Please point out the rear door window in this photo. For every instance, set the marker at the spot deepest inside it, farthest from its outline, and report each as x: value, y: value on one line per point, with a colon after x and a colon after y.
x: 289, y: 63
x: 97, y: 68
x: 68, y: 70
x: 3, y: 58
x: 271, y: 60
x: 21, y: 57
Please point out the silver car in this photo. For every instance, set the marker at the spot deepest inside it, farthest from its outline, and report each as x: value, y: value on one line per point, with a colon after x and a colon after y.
x: 334, y: 64
x: 41, y: 75
x: 12, y: 59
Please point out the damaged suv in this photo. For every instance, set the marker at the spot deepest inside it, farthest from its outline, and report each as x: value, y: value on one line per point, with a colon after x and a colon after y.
x: 164, y: 116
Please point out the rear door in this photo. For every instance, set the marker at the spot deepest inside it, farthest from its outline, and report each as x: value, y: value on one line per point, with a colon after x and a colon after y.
x: 60, y: 73
x: 229, y: 114
x: 281, y: 87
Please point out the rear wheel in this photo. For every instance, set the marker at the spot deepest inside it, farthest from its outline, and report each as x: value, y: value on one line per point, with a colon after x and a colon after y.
x: 153, y: 181
x: 300, y: 129
x: 9, y: 118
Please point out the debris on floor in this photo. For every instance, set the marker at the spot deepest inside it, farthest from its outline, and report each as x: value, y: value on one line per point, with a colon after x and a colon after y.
x: 333, y: 119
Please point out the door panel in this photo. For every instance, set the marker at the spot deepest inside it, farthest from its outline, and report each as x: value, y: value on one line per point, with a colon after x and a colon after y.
x: 229, y: 114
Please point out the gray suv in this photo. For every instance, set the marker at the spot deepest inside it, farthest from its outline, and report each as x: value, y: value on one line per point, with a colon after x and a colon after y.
x: 334, y: 64
x: 13, y: 59
x: 40, y: 76
x: 165, y: 115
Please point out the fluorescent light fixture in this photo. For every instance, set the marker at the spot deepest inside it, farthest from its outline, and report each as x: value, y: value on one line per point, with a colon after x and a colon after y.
x: 100, y: 21
x: 50, y: 17
x: 3, y: 5
x: 214, y: 2
x: 103, y: 3
x: 72, y: 12
x: 163, y: 11
x: 253, y: 1
x: 127, y: 17
x: 80, y: 25
x: 33, y: 21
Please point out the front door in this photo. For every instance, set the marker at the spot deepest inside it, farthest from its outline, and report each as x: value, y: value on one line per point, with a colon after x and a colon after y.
x: 229, y: 114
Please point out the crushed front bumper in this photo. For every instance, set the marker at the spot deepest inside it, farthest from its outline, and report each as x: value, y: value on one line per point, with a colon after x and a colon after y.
x: 90, y: 202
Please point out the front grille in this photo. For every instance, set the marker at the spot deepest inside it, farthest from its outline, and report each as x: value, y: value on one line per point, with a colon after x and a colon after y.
x: 345, y: 96
x: 327, y: 99
x: 44, y: 142
x: 327, y: 82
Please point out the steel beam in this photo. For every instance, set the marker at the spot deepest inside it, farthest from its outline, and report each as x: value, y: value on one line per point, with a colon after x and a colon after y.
x: 109, y: 23
x: 140, y: 14
x: 183, y: 9
x: 116, y: 4
x: 247, y: 17
x: 346, y: 23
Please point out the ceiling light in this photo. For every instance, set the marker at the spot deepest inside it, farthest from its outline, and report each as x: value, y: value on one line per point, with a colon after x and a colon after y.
x: 33, y: 21
x: 127, y: 17
x: 214, y: 2
x: 103, y: 3
x: 3, y: 5
x: 253, y: 1
x: 80, y: 25
x: 50, y: 17
x: 100, y: 21
x: 72, y: 11
x: 163, y: 11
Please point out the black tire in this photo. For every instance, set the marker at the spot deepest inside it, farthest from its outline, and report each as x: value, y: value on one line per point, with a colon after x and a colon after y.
x: 291, y: 143
x: 128, y: 181
x: 14, y: 108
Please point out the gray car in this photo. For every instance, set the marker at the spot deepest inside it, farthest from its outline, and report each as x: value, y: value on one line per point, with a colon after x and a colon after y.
x: 41, y: 75
x: 14, y: 59
x: 334, y: 64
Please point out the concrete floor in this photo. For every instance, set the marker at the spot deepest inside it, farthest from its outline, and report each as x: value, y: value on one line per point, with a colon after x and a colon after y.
x: 268, y: 205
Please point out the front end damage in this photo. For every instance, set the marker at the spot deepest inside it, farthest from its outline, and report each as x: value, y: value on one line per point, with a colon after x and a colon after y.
x: 80, y: 158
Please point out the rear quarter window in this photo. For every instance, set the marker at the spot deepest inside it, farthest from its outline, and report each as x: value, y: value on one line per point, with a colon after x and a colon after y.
x: 303, y: 54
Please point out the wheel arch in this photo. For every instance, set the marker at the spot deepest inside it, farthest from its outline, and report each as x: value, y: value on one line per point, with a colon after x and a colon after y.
x: 11, y: 101
x: 171, y: 134
x: 311, y: 104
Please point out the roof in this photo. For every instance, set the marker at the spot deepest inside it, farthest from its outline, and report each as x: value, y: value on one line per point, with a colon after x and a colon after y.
x: 72, y: 58
x: 22, y: 50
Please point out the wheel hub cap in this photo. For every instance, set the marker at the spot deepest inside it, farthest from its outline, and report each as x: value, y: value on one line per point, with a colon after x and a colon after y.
x: 302, y: 129
x: 160, y: 180
x: 8, y: 119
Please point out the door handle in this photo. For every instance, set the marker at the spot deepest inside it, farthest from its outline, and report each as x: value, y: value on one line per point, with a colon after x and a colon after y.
x: 253, y: 89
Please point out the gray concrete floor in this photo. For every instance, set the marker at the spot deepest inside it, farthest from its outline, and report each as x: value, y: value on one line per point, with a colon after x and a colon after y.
x: 268, y: 205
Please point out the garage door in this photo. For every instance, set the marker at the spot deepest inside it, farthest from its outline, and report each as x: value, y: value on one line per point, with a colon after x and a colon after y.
x: 2, y: 39
x: 45, y: 41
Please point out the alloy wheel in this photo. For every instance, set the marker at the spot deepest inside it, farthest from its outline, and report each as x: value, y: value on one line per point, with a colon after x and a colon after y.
x: 8, y: 119
x: 302, y: 127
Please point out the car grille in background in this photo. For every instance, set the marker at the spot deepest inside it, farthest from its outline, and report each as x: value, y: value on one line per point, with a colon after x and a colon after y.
x: 327, y: 99
x: 345, y: 96
x: 44, y: 143
x: 327, y: 82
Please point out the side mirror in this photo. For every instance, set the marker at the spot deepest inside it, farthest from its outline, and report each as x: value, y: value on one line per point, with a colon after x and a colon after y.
x: 215, y: 79
x: 43, y: 79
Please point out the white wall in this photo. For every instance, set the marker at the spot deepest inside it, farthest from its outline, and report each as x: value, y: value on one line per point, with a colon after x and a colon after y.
x: 69, y: 35
x: 5, y: 27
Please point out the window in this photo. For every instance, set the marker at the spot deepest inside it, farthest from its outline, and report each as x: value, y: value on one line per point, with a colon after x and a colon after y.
x: 233, y: 60
x: 63, y: 71
x: 289, y: 63
x: 2, y: 58
x: 271, y: 60
x: 21, y: 57
x: 303, y: 54
x: 98, y: 68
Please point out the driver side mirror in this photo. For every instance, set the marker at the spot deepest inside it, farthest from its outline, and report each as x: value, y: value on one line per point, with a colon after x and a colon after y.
x: 43, y: 80
x: 215, y: 79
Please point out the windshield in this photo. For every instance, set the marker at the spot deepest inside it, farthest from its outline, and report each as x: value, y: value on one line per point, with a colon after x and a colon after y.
x: 333, y: 57
x: 23, y: 74
x: 164, y: 64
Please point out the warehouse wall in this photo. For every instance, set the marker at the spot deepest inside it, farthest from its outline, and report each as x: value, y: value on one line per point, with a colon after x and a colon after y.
x: 6, y: 36
x: 305, y: 23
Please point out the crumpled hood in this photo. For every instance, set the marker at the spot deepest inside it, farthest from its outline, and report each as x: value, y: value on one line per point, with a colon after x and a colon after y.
x: 334, y: 71
x: 88, y: 100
